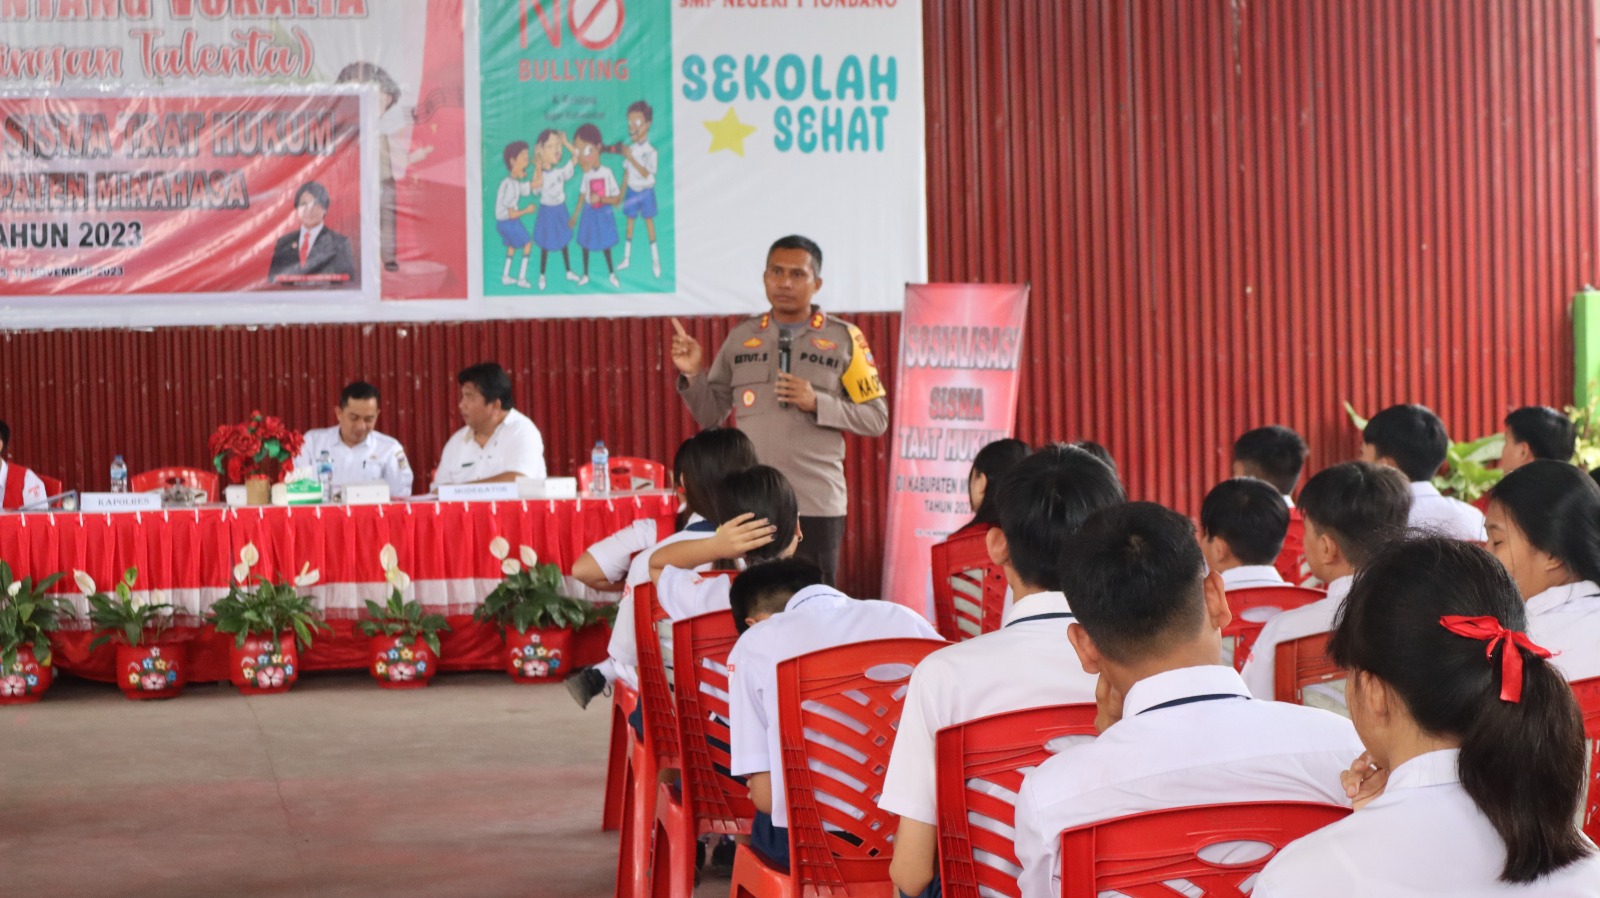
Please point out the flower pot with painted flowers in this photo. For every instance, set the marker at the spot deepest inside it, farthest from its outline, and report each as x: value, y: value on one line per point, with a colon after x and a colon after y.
x: 535, y: 616
x: 405, y: 641
x: 148, y: 667
x: 28, y: 614
x: 270, y: 622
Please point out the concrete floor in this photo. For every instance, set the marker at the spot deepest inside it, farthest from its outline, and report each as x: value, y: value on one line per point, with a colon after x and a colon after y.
x: 473, y: 787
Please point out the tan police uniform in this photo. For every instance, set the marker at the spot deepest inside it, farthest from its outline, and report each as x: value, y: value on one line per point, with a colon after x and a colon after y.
x: 808, y: 447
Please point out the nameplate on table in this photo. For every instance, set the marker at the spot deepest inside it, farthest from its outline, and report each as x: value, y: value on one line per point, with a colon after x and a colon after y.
x: 366, y: 493
x: 478, y: 492
x: 119, y: 502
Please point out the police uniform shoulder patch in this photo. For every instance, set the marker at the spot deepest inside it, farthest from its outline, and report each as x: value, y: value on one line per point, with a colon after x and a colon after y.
x: 824, y: 345
x: 818, y: 319
x: 765, y: 320
x: 861, y: 380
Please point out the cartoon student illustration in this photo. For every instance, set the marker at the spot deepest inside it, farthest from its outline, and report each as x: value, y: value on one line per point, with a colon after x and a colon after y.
x: 598, y: 198
x: 639, y: 163
x: 551, y: 230
x: 507, y: 215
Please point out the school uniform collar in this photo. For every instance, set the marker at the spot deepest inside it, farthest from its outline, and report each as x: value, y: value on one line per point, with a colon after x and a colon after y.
x: 816, y: 598
x: 1434, y: 768
x: 1555, y: 597
x: 1422, y: 488
x: 1340, y: 588
x: 1251, y: 573
x: 1173, y: 686
x: 1052, y: 603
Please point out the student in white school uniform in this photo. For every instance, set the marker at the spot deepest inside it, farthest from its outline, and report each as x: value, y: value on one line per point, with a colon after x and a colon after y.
x: 1413, y: 439
x: 783, y: 610
x: 497, y: 443
x: 1544, y: 526
x: 1177, y: 728
x: 1352, y: 510
x: 1534, y: 432
x: 1027, y: 663
x: 360, y: 454
x: 1242, y: 525
x: 1474, y: 769
x: 1277, y: 455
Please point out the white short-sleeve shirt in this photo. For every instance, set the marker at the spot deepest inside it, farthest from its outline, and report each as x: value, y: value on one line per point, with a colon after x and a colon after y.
x: 378, y: 457
x: 1566, y: 620
x: 1249, y: 576
x: 553, y: 185
x: 1260, y: 669
x: 1438, y: 514
x: 510, y: 193
x: 514, y: 446
x: 645, y: 155
x: 685, y: 594
x: 1422, y: 837
x: 1187, y: 737
x: 615, y: 553
x: 623, y: 647
x: 817, y: 617
x: 1027, y: 663
x: 587, y: 184
x: 34, y: 495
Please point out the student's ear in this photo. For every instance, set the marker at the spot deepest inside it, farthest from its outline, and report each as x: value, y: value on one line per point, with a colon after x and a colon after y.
x: 338, y: 412
x: 1218, y: 615
x: 999, y: 549
x: 1088, y: 655
x: 1374, y: 698
x: 1328, y: 549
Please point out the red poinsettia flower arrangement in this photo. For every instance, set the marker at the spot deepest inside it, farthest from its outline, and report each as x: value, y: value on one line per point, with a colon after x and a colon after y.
x: 254, y: 448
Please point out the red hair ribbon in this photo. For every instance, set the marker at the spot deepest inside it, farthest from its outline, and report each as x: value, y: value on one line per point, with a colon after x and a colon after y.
x: 1489, y: 628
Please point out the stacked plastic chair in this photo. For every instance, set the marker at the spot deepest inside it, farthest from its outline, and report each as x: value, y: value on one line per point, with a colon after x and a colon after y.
x: 1299, y: 663
x: 1588, y: 693
x: 1253, y: 606
x: 969, y: 590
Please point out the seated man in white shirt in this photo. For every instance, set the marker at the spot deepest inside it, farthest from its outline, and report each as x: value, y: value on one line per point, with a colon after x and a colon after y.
x: 1537, y: 432
x: 360, y: 454
x: 1242, y: 525
x: 498, y: 444
x: 1413, y: 439
x: 19, y: 487
x: 1040, y: 503
x: 1177, y: 729
x: 783, y: 610
x: 1352, y: 511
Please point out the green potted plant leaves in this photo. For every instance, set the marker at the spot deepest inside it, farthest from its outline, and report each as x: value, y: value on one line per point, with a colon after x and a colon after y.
x: 270, y: 622
x: 28, y: 613
x: 535, y: 615
x: 147, y: 667
x: 405, y: 642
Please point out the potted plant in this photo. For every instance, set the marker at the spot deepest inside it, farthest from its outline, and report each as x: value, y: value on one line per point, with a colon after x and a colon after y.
x: 27, y: 615
x: 269, y: 622
x: 146, y: 667
x: 254, y: 453
x: 536, y: 618
x: 404, y: 652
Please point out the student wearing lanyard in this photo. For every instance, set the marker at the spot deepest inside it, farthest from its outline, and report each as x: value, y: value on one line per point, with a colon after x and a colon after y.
x: 1039, y: 504
x: 1474, y: 770
x: 1177, y: 727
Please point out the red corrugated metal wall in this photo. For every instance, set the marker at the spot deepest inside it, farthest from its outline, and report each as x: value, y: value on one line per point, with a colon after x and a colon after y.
x: 1231, y: 213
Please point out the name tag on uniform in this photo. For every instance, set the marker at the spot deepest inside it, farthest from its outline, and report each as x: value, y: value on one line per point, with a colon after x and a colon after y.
x: 478, y: 492
x: 120, y: 502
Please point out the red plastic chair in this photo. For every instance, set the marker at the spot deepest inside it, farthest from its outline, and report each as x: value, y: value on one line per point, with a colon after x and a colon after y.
x: 193, y: 478
x: 969, y: 590
x: 1299, y: 663
x: 1260, y: 598
x: 1588, y: 693
x: 971, y: 759
x: 1135, y: 855
x: 832, y: 852
x: 623, y: 700
x: 52, y: 486
x: 628, y: 474
x: 1292, y: 557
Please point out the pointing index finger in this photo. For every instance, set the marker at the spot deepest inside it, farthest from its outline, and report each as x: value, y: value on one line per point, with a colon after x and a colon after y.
x: 678, y: 326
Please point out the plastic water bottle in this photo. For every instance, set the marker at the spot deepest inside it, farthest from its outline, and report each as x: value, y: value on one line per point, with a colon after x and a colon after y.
x: 119, y: 475
x: 600, y: 469
x: 325, y: 475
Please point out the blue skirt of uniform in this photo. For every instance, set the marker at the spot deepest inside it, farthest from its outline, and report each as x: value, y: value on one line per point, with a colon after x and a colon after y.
x: 550, y: 229
x: 597, y: 227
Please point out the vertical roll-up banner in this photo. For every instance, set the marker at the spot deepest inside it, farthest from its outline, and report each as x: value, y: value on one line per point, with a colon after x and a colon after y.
x: 955, y: 392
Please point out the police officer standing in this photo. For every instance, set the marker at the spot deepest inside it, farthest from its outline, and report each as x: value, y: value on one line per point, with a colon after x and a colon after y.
x: 795, y: 380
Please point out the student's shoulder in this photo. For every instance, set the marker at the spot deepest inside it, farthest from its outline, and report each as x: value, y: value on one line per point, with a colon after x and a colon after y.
x: 1318, y: 725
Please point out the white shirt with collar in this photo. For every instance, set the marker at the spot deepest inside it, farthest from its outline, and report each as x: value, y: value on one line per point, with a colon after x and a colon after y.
x: 515, y: 445
x: 378, y: 457
x: 34, y: 495
x: 1434, y: 513
x: 1248, y: 576
x: 1566, y: 620
x: 1025, y: 664
x: 1260, y: 669
x: 615, y: 553
x: 644, y: 154
x: 623, y: 647
x: 1166, y: 752
x: 817, y: 617
x: 1423, y: 836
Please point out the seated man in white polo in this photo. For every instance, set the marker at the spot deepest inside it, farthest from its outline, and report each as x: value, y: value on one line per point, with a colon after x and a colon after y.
x: 359, y: 452
x: 498, y: 444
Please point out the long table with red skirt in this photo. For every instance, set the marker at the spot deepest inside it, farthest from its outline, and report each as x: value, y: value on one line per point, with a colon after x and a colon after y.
x: 186, y: 557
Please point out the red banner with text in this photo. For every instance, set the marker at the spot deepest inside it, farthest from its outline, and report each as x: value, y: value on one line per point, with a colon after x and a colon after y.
x: 955, y: 392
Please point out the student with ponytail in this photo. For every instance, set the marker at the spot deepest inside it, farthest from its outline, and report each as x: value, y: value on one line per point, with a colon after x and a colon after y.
x: 1544, y: 526
x: 1474, y: 767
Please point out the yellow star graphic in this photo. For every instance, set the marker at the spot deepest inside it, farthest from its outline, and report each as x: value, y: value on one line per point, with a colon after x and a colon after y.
x: 728, y: 133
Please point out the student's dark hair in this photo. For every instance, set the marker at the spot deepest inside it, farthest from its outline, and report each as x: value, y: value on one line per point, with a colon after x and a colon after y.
x: 1136, y: 579
x: 1249, y: 515
x: 768, y: 587
x: 1364, y: 507
x: 761, y: 490
x: 369, y: 72
x: 1557, y: 507
x: 588, y: 132
x: 317, y: 191
x: 795, y: 241
x: 514, y: 149
x: 1043, y: 501
x: 643, y: 108
x: 1098, y: 451
x: 1413, y: 436
x: 492, y: 382
x: 1521, y: 762
x: 356, y: 391
x: 705, y: 459
x: 993, y: 461
x: 1548, y: 433
x: 5, y: 436
x: 1273, y: 453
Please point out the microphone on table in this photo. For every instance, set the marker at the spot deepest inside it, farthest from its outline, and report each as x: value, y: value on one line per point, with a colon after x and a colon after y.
x: 785, y: 341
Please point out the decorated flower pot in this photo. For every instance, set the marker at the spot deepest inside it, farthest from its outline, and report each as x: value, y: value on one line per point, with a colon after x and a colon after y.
x: 264, y: 665
x: 538, y: 655
x: 26, y: 681
x: 150, y: 671
x: 400, y: 662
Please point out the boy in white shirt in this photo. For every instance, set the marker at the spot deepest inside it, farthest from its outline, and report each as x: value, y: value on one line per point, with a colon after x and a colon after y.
x: 639, y: 164
x: 1242, y: 525
x: 1177, y: 729
x: 508, y: 212
x: 1413, y: 439
x: 1277, y: 455
x: 1537, y: 432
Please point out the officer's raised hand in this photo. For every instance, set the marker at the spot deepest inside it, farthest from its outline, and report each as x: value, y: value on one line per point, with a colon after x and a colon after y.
x: 687, y: 353
x: 797, y: 391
